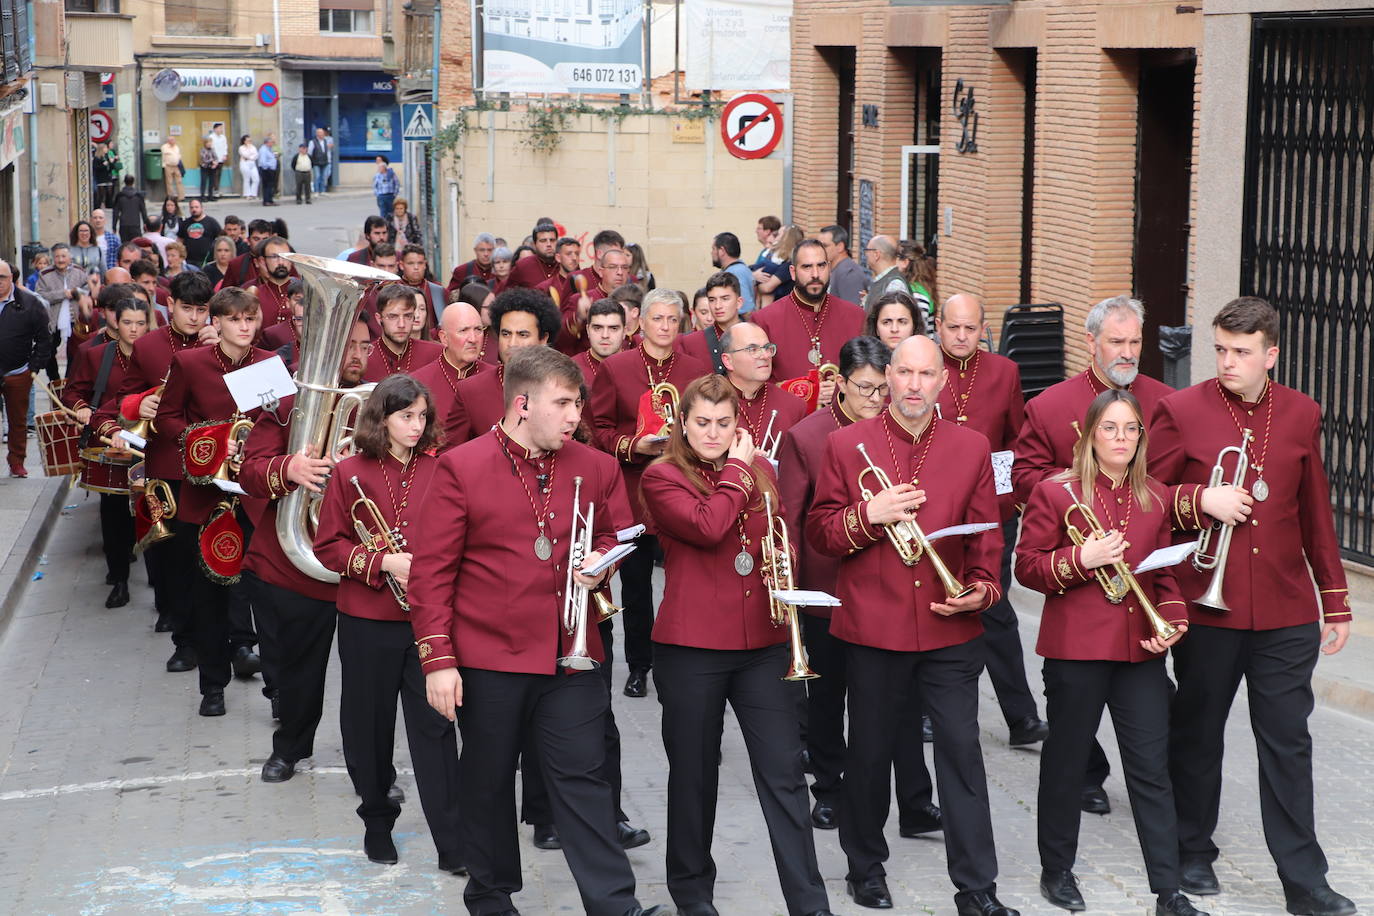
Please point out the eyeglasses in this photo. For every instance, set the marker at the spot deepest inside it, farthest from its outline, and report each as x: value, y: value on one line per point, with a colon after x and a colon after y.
x: 364, y: 348
x: 1112, y: 431
x: 865, y: 390
x: 757, y: 349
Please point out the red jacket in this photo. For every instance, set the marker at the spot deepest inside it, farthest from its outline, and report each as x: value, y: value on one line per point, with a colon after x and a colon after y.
x: 442, y: 380
x: 383, y: 362
x: 791, y: 325
x: 80, y: 387
x: 756, y: 413
x: 886, y: 603
x: 799, y: 465
x: 470, y: 271
x: 479, y: 402
x: 1078, y: 622
x: 532, y: 271
x: 149, y: 365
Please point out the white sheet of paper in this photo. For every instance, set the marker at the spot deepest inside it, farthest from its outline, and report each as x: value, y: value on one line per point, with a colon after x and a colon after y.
x: 1167, y: 556
x: 1001, y: 470
x: 953, y: 530
x: 231, y: 486
x: 256, y: 385
x: 803, y: 598
x: 629, y: 534
x: 610, y: 557
x: 133, y: 439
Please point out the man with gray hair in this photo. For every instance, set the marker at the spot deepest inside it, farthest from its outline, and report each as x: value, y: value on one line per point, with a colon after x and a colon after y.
x: 846, y: 276
x: 1114, y: 332
x: 479, y: 268
x: 887, y: 274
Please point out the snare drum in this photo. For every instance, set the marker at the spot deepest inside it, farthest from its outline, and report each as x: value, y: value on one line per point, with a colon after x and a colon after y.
x: 103, y: 477
x: 60, y: 439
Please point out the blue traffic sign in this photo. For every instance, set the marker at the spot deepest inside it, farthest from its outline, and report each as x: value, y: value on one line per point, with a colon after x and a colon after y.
x: 418, y: 121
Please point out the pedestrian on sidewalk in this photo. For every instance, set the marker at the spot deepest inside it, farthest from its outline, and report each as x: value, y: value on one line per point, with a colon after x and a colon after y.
x: 25, y: 346
x: 268, y: 167
x: 130, y: 211
x: 318, y: 150
x: 172, y: 168
x: 385, y: 186
x: 302, y: 166
x: 209, y: 169
x: 248, y: 165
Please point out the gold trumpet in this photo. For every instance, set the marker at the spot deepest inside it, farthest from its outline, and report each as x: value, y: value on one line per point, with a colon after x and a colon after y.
x: 776, y: 554
x: 1205, y: 557
x: 666, y: 402
x: 229, y: 468
x: 907, y: 537
x: 145, y: 428
x: 828, y: 372
x: 605, y: 607
x: 378, y: 536
x: 574, y: 594
x: 1117, y: 587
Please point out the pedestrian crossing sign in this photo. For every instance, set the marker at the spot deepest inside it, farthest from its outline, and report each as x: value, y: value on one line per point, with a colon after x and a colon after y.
x: 418, y: 118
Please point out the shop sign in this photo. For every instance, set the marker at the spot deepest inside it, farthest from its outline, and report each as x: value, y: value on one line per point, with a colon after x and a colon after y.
x: 206, y: 80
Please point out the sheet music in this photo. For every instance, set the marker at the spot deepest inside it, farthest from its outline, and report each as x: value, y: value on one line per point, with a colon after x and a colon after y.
x: 1167, y: 556
x: 260, y: 384
x: 805, y: 598
x: 971, y: 528
x: 133, y: 439
x: 610, y: 558
x: 1001, y: 470
x: 230, y: 486
x: 630, y: 533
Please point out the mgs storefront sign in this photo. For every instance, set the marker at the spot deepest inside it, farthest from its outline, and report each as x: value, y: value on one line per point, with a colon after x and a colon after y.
x: 216, y: 80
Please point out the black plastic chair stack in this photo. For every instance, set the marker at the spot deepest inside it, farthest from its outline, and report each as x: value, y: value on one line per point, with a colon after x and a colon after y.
x: 1033, y: 337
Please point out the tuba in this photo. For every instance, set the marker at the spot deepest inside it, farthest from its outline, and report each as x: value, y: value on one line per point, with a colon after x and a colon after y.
x: 1124, y: 582
x: 776, y: 553
x: 575, y: 595
x: 333, y: 291
x: 1210, y: 557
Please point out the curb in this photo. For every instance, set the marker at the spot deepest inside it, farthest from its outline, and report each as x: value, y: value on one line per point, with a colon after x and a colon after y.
x: 19, y: 567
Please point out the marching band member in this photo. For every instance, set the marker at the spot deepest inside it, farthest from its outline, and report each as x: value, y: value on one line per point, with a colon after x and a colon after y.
x: 723, y: 300
x: 714, y: 642
x: 99, y: 373
x: 274, y: 276
x: 894, y: 318
x: 626, y: 380
x: 1101, y: 654
x: 860, y: 394
x: 984, y: 393
x: 498, y: 503
x: 567, y: 253
x: 397, y: 350
x: 809, y: 325
x: 605, y: 338
x: 528, y: 273
x: 377, y: 652
x: 460, y: 335
x: 612, y: 272
x: 194, y: 407
x: 900, y: 623
x: 1277, y: 622
x: 765, y: 410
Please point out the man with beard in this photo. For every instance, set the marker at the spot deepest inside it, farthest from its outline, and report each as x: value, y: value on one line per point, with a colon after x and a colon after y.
x: 613, y: 272
x: 479, y: 268
x: 240, y: 270
x: 274, y: 273
x: 397, y: 351
x: 198, y: 233
x: 561, y: 287
x: 374, y: 230
x: 460, y: 334
x: 531, y: 272
x: 1114, y: 332
x: 809, y: 325
x: 725, y: 256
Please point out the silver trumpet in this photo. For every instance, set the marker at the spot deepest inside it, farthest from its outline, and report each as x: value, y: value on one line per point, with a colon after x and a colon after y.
x: 769, y: 443
x: 1209, y: 556
x: 575, y: 595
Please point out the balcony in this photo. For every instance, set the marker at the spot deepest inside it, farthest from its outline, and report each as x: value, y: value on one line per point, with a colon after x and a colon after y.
x: 417, y: 49
x: 99, y: 42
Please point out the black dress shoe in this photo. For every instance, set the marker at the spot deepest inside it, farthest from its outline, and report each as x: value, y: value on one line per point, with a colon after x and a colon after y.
x: 163, y: 625
x: 926, y: 819
x: 1030, y: 730
x: 379, y: 848
x: 1095, y: 801
x: 636, y: 684
x: 823, y: 816
x: 395, y: 795
x: 183, y: 659
x: 870, y: 892
x: 927, y: 731
x: 546, y: 837
x: 1196, y: 877
x: 1175, y: 904
x: 278, y: 769
x: 630, y: 837
x: 212, y: 704
x: 697, y: 909
x: 1317, y: 901
x: 246, y: 662
x: 1060, y: 887
x: 982, y: 903
x: 450, y: 863
x: 119, y: 595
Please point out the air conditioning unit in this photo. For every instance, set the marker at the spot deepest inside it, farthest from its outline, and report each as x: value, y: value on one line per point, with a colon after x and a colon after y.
x: 262, y: 40
x: 47, y: 94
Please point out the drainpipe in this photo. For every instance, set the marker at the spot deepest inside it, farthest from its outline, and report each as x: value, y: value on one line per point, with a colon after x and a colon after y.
x: 433, y: 204
x: 32, y: 121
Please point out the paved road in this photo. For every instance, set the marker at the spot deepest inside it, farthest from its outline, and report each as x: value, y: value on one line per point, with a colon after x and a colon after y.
x: 326, y: 227
x: 117, y: 798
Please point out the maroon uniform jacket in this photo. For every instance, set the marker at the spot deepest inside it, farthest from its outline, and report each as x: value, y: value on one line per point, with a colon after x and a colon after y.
x: 887, y: 603
x: 1078, y: 621
x: 470, y: 271
x: 984, y: 393
x: 532, y: 271
x: 590, y: 364
x: 152, y: 358
x: 195, y: 393
x: 263, y: 475
x: 1045, y: 445
x: 441, y: 378
x: 1268, y: 584
x: 562, y: 285
x: 480, y: 598
x: 695, y: 345
x: 279, y: 335
x: 792, y: 327
x: 362, y: 590
x: 799, y: 466
x: 239, y: 271
x: 361, y: 256
x: 622, y: 381
x: 756, y: 413
x: 80, y: 387
x: 99, y: 339
x: 384, y: 361
x: 490, y: 351
x: 479, y: 402
x: 706, y: 603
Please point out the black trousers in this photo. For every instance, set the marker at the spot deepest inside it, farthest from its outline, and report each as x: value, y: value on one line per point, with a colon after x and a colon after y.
x: 116, y: 534
x: 693, y: 687
x: 207, y: 616
x: 296, y: 642
x: 241, y: 632
x: 1006, y: 663
x: 637, y: 597
x: 1277, y: 666
x: 1137, y: 693
x: 564, y: 712
x: 948, y: 680
x: 377, y: 661
x: 268, y: 184
x: 534, y: 794
x: 176, y: 562
x: 825, y: 728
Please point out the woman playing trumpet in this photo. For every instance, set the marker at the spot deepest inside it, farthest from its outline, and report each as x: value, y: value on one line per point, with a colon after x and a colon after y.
x: 714, y: 642
x: 1103, y: 653
x: 377, y: 652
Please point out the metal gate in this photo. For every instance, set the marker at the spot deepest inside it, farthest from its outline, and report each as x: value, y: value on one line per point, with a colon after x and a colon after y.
x: 1309, y: 233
